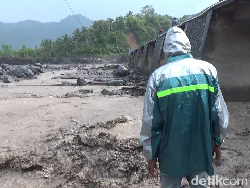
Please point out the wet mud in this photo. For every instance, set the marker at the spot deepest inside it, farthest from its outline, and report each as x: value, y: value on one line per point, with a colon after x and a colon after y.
x: 57, y: 132
x: 85, y: 159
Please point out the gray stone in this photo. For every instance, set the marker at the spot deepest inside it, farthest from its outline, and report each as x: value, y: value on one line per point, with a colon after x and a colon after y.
x: 81, y: 82
x: 112, y: 92
x: 115, y: 83
x: 85, y: 91
x: 33, y: 69
x: 6, y: 67
x: 2, y: 71
x: 121, y: 70
x: 38, y: 65
x: 39, y: 69
x: 8, y: 79
x: 22, y: 72
x: 105, y: 92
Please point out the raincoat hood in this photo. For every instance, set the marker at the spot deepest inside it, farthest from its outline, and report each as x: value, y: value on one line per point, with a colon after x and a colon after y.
x: 176, y: 43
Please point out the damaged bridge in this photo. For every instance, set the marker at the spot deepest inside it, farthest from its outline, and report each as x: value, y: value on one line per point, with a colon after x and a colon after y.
x: 220, y: 35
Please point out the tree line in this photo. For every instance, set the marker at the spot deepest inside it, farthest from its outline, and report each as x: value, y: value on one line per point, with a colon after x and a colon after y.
x: 102, y: 38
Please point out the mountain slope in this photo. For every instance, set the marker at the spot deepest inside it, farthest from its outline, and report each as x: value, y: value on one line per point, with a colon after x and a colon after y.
x: 31, y: 33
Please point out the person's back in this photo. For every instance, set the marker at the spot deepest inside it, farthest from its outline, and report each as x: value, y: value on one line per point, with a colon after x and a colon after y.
x: 175, y: 22
x: 184, y: 113
x: 161, y: 31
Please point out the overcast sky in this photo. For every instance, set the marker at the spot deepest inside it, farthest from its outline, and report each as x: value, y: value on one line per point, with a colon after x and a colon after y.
x: 12, y: 11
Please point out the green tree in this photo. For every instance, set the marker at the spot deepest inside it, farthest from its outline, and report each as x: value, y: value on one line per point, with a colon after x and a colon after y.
x: 46, y: 48
x: 26, y: 52
x: 119, y: 24
x: 6, y: 50
x: 64, y: 46
x: 110, y: 23
x: 103, y: 37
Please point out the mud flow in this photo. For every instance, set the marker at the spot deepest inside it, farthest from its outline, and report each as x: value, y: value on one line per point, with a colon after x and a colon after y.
x: 78, y: 125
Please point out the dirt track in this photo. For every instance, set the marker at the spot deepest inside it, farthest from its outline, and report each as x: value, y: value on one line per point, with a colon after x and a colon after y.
x: 56, y: 136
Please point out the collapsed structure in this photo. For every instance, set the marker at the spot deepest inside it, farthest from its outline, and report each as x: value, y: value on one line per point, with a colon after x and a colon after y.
x: 219, y: 35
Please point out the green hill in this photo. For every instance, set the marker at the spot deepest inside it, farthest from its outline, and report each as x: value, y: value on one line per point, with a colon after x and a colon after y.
x: 30, y: 33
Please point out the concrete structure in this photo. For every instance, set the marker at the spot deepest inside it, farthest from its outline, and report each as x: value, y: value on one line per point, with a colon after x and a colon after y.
x: 220, y: 35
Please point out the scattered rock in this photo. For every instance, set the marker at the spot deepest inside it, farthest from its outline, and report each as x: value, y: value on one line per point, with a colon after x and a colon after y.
x: 80, y: 93
x: 105, y: 92
x: 8, y: 79
x: 85, y: 91
x: 33, y: 69
x: 121, y: 71
x: 6, y: 68
x: 115, y: 83
x: 2, y: 71
x: 81, y: 82
x: 36, y: 69
x: 38, y: 65
x: 108, y: 67
x: 113, y: 92
x: 71, y: 94
x: 64, y: 84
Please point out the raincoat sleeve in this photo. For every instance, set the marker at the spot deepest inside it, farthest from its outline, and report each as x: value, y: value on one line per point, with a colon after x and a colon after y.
x: 152, y: 122
x: 221, y: 118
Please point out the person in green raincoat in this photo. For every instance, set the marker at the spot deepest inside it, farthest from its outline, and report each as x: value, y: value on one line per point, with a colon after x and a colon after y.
x: 185, y: 118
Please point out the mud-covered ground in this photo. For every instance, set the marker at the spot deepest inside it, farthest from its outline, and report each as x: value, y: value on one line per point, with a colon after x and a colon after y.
x: 55, y: 133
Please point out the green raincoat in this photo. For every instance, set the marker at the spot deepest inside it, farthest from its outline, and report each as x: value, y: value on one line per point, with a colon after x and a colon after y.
x: 184, y: 111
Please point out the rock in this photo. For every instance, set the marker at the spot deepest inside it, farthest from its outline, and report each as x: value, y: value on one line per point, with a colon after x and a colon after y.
x: 77, y: 140
x: 37, y: 68
x: 6, y: 68
x: 115, y: 83
x: 108, y: 67
x: 121, y: 71
x: 112, y: 93
x: 81, y: 82
x: 2, y: 71
x: 38, y: 65
x: 85, y: 91
x: 33, y: 69
x: 8, y: 79
x: 22, y: 72
x: 105, y: 92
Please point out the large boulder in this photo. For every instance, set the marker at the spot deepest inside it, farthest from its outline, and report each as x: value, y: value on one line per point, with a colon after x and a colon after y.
x: 22, y: 72
x: 121, y: 71
x: 8, y: 79
x: 81, y: 82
